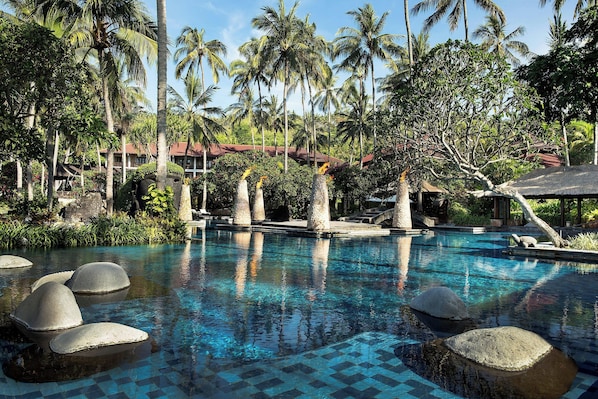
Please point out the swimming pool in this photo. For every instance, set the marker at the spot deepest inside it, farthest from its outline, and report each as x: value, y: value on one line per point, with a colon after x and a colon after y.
x: 241, y: 314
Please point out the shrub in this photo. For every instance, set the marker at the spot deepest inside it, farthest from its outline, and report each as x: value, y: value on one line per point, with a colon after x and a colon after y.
x: 585, y: 241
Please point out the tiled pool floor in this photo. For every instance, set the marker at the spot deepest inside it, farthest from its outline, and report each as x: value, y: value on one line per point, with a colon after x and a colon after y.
x: 364, y: 366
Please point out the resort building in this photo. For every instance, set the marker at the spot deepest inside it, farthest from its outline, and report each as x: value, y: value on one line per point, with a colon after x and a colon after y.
x: 138, y: 155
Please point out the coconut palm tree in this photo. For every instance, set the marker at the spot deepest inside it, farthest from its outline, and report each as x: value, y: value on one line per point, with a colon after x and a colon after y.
x: 161, y: 114
x: 194, y: 107
x: 247, y: 71
x: 326, y: 99
x: 362, y: 45
x: 193, y: 49
x: 454, y: 9
x: 280, y: 47
x: 496, y: 40
x: 558, y: 4
x: 107, y: 30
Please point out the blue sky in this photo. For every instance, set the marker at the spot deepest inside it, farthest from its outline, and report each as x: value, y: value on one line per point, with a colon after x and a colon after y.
x: 230, y: 22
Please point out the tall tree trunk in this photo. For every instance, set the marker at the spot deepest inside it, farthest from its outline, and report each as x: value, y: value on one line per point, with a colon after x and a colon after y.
x: 110, y: 152
x: 50, y: 141
x: 123, y: 145
x: 204, y: 197
x: 409, y: 36
x: 465, y: 20
x: 19, y: 176
x: 565, y: 141
x: 595, y: 137
x: 259, y: 93
x: 161, y: 101
x: 30, y: 181
x: 286, y: 116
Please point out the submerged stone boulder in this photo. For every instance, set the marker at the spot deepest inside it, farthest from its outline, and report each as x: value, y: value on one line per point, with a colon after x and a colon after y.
x: 52, y: 306
x: 94, y: 336
x: 60, y: 277
x: 98, y: 278
x: 501, y: 348
x: 493, y: 363
x: 440, y: 302
x: 13, y: 262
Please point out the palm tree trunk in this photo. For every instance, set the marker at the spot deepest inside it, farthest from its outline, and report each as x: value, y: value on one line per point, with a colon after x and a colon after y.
x: 409, y: 36
x: 286, y: 116
x: 161, y: 100
x: 50, y: 136
x: 110, y: 152
x: 123, y: 144
x: 259, y: 93
x: 565, y: 141
x: 204, y: 197
x: 465, y: 20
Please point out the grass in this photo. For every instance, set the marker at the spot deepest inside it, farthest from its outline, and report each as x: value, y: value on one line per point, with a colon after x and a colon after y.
x: 585, y: 241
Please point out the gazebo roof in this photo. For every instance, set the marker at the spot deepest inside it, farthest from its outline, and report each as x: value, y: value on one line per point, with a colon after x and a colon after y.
x: 579, y: 181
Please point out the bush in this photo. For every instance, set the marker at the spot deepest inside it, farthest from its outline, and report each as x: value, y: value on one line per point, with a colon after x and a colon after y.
x: 585, y: 241
x: 119, y: 229
x: 462, y: 216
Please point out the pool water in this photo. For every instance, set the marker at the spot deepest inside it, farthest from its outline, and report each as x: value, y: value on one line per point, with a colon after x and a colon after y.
x: 230, y: 303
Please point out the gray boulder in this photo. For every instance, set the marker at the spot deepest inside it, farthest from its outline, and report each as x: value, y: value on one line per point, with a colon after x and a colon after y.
x: 440, y: 302
x: 52, y: 306
x: 59, y: 277
x: 493, y: 363
x: 96, y: 336
x: 98, y: 278
x: 501, y: 348
x: 84, y: 209
x: 13, y: 262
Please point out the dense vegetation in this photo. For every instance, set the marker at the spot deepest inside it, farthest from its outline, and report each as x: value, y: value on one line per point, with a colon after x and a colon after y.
x: 74, y: 91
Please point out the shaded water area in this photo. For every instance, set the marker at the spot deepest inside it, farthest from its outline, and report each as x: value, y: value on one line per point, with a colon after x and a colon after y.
x: 241, y: 314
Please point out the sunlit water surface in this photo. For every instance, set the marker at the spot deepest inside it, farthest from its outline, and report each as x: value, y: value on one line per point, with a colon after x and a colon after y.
x: 240, y: 296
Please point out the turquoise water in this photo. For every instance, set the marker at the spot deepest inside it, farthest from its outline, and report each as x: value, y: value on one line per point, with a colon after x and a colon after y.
x: 234, y: 297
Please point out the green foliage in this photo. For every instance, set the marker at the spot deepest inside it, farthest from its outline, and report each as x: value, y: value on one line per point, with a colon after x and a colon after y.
x: 291, y: 190
x: 119, y: 229
x: 584, y: 241
x: 150, y: 168
x: 463, y: 215
x: 159, y: 203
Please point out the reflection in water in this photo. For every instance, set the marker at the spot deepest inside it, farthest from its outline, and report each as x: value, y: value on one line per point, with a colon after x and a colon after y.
x: 185, y: 270
x: 256, y: 257
x: 243, y: 240
x: 404, y: 253
x: 319, y: 256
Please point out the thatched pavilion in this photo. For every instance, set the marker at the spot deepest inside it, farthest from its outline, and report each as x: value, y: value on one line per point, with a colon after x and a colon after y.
x: 562, y: 183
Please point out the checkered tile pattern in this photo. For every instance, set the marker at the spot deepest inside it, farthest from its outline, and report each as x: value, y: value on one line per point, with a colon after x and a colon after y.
x: 362, y: 367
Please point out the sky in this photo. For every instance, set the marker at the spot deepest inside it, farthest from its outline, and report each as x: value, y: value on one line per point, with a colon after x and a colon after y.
x: 230, y: 22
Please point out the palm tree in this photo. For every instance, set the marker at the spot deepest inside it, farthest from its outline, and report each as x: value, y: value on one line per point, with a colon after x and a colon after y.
x: 496, y: 40
x: 194, y: 109
x: 455, y: 10
x: 558, y: 27
x: 248, y: 71
x: 327, y: 99
x: 409, y: 38
x: 108, y: 30
x: 274, y: 117
x: 558, y: 4
x: 353, y: 117
x: 280, y: 46
x: 193, y: 48
x: 161, y: 115
x: 361, y: 46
